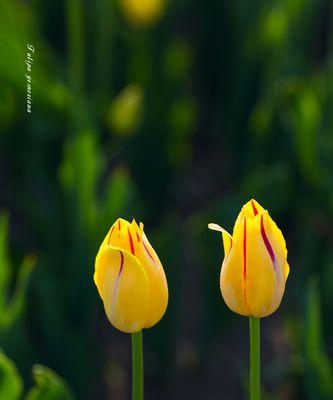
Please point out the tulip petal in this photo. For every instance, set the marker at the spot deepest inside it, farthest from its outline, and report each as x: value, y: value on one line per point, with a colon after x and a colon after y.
x: 121, y: 235
x: 123, y: 286
x: 280, y: 243
x: 286, y: 270
x: 158, y: 287
x: 226, y: 237
x: 234, y: 271
x: 251, y: 209
x: 265, y: 281
x: 267, y: 241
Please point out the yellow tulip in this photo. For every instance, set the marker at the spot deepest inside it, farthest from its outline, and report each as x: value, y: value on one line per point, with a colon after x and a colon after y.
x: 125, y: 111
x: 255, y: 268
x: 130, y: 278
x: 142, y: 12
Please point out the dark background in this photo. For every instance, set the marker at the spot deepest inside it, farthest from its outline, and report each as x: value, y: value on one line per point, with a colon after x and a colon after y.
x: 176, y: 121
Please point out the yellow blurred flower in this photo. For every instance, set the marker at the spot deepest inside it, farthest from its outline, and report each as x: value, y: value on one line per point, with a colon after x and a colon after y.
x: 142, y: 12
x: 125, y: 112
x: 255, y: 267
x: 130, y: 278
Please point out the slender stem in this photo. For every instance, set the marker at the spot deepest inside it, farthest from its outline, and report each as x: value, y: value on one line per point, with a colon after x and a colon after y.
x: 254, y: 358
x: 75, y: 43
x: 106, y: 13
x: 137, y: 366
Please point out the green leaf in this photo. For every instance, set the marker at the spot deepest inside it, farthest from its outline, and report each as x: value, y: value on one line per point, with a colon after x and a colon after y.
x: 49, y: 386
x: 119, y: 192
x: 320, y: 371
x: 16, y: 304
x: 306, y: 117
x: 10, y: 381
x: 80, y: 171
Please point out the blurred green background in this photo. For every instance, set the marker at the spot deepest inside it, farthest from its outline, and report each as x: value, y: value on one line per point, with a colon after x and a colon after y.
x: 175, y: 113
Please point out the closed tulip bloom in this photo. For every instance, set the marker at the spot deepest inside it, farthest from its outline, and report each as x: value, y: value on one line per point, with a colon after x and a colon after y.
x: 255, y: 268
x: 142, y: 12
x: 130, y: 278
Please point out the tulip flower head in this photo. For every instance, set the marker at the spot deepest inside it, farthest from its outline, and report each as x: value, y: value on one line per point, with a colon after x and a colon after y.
x: 255, y: 268
x: 130, y: 278
x: 142, y: 13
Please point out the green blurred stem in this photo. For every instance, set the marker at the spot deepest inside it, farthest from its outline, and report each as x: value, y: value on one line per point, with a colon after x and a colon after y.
x: 104, y: 45
x: 254, y: 358
x: 75, y: 43
x: 137, y: 366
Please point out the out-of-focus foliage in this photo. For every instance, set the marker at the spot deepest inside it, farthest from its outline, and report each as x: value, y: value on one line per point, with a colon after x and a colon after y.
x: 11, y: 306
x: 142, y: 12
x: 174, y: 113
x: 10, y: 381
x: 48, y: 386
x: 125, y: 110
x: 319, y: 377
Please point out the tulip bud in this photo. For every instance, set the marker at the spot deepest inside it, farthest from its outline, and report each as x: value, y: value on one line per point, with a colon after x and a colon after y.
x: 255, y: 267
x: 142, y: 12
x: 130, y: 278
x: 125, y: 111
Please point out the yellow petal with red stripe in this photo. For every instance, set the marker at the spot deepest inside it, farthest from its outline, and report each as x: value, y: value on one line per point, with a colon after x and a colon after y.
x: 232, y: 277
x: 123, y: 286
x: 263, y: 280
x: 158, y: 293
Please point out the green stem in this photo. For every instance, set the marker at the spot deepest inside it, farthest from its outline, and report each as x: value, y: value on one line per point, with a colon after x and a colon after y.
x: 105, y: 11
x: 75, y: 43
x: 137, y: 366
x: 254, y: 358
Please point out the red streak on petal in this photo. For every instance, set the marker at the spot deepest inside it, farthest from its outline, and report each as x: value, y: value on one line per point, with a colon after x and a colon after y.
x: 254, y: 208
x: 146, y: 248
x: 138, y: 236
x: 119, y: 224
x: 110, y: 234
x: 244, y: 250
x: 131, y: 241
x: 121, y: 263
x: 266, y: 241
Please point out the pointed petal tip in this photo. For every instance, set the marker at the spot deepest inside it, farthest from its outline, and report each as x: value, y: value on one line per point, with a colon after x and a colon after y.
x: 218, y: 228
x: 211, y: 226
x: 214, y: 227
x: 252, y: 208
x: 135, y: 224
